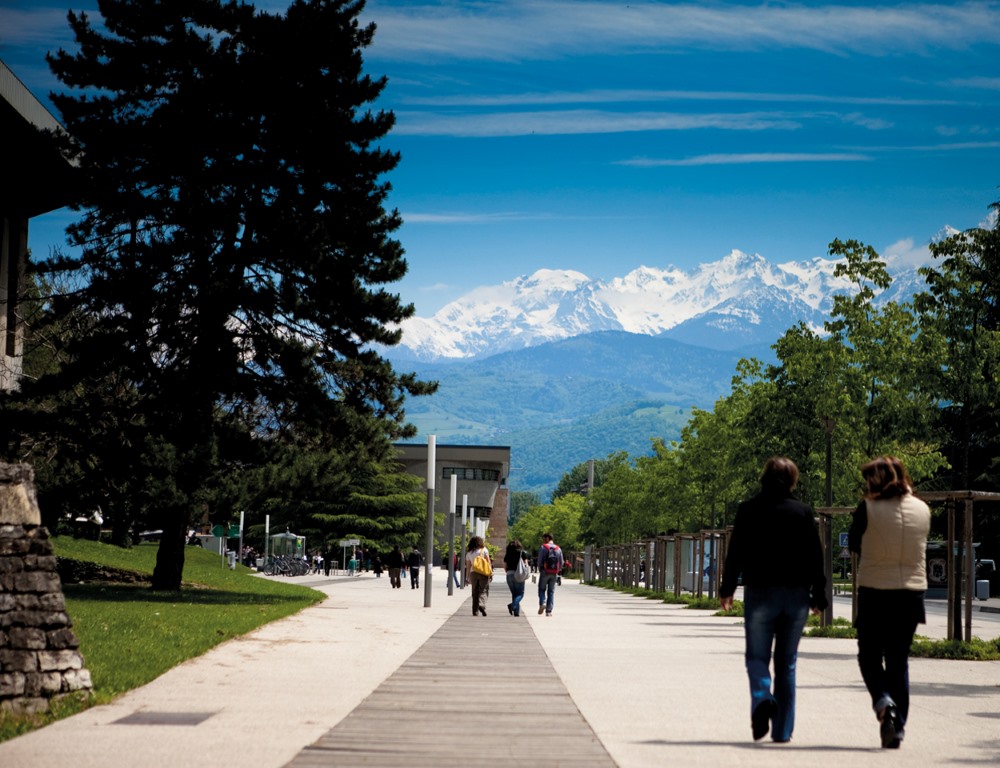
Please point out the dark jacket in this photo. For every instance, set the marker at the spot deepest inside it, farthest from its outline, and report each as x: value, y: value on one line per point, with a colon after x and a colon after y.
x: 511, y: 558
x: 394, y: 559
x: 775, y: 543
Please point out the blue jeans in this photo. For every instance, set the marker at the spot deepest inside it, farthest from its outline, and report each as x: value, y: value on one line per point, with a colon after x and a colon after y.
x: 547, y: 590
x: 516, y: 592
x: 774, y: 615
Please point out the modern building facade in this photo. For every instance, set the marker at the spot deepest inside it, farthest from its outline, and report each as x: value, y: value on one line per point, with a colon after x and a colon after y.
x: 33, y: 181
x: 482, y: 479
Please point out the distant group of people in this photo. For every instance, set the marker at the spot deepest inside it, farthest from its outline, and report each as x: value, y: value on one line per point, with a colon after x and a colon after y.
x: 776, y: 550
x: 518, y: 568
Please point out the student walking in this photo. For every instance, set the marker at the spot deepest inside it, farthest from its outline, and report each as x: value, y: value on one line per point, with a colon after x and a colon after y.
x: 775, y: 547
x: 479, y: 573
x: 889, y: 533
x: 550, y: 564
x: 415, y: 559
x: 394, y: 562
x: 516, y: 566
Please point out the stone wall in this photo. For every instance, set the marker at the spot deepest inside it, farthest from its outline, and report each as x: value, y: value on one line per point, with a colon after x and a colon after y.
x: 39, y: 652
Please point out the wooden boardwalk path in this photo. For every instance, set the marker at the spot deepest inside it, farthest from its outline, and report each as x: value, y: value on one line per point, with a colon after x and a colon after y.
x: 479, y: 692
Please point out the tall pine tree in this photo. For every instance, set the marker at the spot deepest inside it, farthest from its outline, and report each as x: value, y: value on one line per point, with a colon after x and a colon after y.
x: 234, y: 244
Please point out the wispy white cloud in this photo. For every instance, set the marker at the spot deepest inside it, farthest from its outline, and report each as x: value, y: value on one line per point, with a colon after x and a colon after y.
x: 569, y: 122
x: 631, y: 96
x: 459, y: 217
x: 745, y: 158
x: 523, y: 29
x: 986, y: 83
x: 904, y: 254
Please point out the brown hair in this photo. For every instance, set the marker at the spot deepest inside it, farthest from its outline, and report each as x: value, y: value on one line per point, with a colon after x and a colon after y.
x: 779, y: 474
x: 476, y: 542
x: 885, y: 478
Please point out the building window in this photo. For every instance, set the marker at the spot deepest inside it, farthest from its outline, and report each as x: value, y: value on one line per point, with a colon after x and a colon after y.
x: 471, y: 473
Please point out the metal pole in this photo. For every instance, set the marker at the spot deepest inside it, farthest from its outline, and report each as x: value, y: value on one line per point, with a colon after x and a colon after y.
x: 970, y: 566
x: 452, y: 498
x: 239, y: 556
x: 828, y: 527
x: 429, y: 538
x: 465, y: 528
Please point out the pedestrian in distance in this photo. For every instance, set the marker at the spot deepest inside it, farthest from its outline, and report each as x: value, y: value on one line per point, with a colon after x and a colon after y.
x: 550, y: 564
x: 517, y: 570
x: 775, y: 547
x: 394, y: 563
x: 414, y: 560
x: 889, y: 532
x: 478, y: 573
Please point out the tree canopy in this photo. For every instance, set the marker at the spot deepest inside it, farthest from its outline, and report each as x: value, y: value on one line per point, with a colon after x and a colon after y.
x: 231, y: 256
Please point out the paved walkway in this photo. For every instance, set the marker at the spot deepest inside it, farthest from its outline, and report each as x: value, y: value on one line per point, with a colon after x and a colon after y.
x: 371, y: 677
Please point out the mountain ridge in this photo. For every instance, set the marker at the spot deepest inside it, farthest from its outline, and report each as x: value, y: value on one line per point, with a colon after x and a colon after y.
x: 739, y: 300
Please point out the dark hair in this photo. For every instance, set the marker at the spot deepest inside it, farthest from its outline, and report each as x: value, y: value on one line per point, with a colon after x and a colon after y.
x: 476, y: 542
x: 514, y: 546
x: 779, y: 474
x: 885, y: 478
x: 546, y: 537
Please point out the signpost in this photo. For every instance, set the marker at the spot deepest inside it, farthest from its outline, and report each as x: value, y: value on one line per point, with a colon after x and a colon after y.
x: 345, y: 543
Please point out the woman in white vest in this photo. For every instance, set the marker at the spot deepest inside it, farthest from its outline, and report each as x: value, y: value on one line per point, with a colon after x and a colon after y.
x: 889, y: 533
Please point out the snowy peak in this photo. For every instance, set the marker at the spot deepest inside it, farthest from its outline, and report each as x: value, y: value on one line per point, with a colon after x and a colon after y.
x: 739, y: 300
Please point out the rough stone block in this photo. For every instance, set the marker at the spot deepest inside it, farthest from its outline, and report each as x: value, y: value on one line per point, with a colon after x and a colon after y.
x: 37, y: 581
x: 53, y: 601
x: 50, y: 661
x: 77, y: 680
x: 11, y: 684
x: 12, y: 660
x: 18, y: 503
x: 25, y: 602
x: 27, y: 638
x: 25, y: 706
x: 62, y: 639
x: 50, y: 683
x: 11, y: 564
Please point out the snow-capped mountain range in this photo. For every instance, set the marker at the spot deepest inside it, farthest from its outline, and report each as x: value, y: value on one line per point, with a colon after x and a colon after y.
x: 737, y: 302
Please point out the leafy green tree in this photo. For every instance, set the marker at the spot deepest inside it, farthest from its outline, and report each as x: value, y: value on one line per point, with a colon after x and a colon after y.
x: 575, y: 481
x: 960, y: 326
x: 521, y: 502
x: 561, y: 518
x: 233, y: 239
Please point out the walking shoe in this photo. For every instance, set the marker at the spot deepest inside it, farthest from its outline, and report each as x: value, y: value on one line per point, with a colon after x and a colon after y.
x: 760, y: 719
x: 890, y: 729
x: 482, y: 611
x: 549, y: 614
x: 510, y: 608
x: 541, y: 610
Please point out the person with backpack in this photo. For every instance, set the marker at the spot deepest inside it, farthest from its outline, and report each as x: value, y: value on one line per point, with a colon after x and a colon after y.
x: 518, y: 571
x: 550, y: 564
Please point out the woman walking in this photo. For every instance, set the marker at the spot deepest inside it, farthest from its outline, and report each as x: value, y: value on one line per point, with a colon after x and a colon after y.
x: 511, y: 559
x: 775, y: 547
x: 478, y: 575
x: 889, y: 533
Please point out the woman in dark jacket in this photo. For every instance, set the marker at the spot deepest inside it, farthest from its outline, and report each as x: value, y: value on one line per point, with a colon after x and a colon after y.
x: 775, y: 547
x: 511, y: 559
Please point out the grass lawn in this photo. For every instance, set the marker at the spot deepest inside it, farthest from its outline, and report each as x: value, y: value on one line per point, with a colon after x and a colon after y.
x: 130, y: 635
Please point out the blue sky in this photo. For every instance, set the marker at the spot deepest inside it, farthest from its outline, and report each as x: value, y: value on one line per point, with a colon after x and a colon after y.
x: 602, y: 136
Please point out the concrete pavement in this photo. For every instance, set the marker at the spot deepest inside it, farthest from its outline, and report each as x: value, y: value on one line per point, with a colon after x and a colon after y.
x: 656, y: 683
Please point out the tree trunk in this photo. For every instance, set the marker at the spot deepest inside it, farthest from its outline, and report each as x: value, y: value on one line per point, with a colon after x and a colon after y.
x: 170, y: 554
